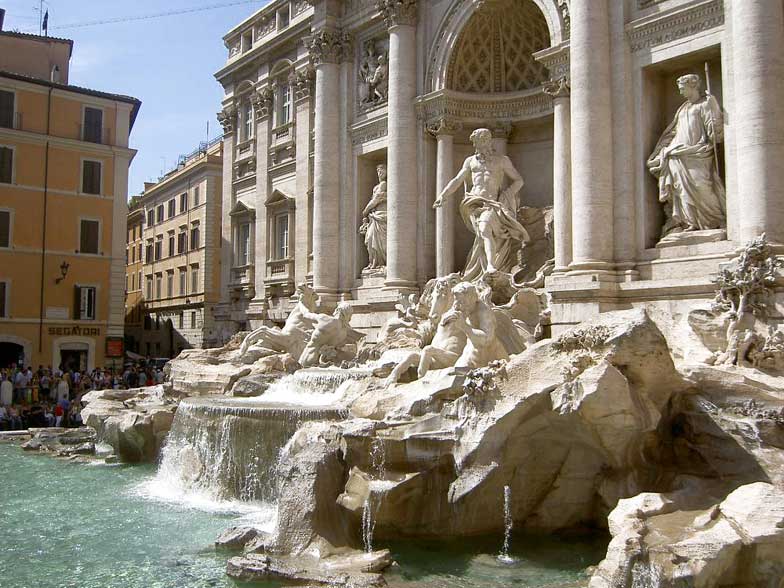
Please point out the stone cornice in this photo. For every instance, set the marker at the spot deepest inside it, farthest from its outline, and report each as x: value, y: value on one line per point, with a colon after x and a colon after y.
x: 367, y: 131
x: 652, y: 31
x: 481, y: 109
x: 398, y: 12
x: 329, y: 46
x: 555, y: 59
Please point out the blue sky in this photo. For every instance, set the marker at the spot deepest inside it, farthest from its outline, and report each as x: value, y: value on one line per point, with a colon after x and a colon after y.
x: 167, y: 62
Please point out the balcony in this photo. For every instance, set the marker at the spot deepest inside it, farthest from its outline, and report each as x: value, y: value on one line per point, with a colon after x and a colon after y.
x: 241, y: 277
x: 280, y: 271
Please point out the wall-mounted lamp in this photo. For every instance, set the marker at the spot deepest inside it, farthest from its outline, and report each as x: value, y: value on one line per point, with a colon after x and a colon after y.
x: 64, y: 271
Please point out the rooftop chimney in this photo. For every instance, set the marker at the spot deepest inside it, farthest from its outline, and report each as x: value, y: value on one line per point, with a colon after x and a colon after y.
x: 2, y: 17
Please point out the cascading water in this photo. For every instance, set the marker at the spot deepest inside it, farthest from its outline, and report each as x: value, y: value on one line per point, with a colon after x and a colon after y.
x: 376, y: 490
x: 508, y: 523
x: 227, y: 449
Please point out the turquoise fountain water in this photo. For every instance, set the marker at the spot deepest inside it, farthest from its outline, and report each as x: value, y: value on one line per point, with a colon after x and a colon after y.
x: 76, y: 525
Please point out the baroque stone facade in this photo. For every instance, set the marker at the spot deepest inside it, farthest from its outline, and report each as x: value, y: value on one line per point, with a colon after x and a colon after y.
x: 577, y: 96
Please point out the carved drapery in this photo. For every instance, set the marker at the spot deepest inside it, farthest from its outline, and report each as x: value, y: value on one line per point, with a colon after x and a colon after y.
x: 398, y: 12
x: 329, y: 46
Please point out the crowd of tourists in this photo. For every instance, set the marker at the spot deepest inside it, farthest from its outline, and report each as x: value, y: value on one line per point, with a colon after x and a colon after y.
x: 49, y: 397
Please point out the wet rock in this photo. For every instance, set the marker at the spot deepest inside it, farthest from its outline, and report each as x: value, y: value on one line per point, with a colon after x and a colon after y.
x: 134, y: 422
x: 663, y: 541
x: 61, y: 441
x: 236, y: 537
x: 332, y: 571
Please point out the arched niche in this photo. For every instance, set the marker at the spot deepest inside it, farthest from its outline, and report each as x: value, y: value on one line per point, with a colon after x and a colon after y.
x: 459, y: 15
x: 495, y: 50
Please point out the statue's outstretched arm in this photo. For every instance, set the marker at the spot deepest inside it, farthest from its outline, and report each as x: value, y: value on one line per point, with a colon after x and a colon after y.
x: 463, y: 175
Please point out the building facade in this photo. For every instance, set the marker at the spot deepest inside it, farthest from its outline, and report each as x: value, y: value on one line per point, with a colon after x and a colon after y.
x: 64, y: 160
x: 182, y: 254
x: 578, y: 94
x: 134, y: 277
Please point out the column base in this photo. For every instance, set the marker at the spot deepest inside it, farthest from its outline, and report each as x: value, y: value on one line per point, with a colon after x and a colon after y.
x: 400, y: 287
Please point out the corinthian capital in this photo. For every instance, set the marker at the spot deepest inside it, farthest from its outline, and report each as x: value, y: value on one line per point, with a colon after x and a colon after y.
x: 262, y: 99
x: 557, y: 88
x: 227, y: 118
x: 329, y: 46
x: 398, y: 12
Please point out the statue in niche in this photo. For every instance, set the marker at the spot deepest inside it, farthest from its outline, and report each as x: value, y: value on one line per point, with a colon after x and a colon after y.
x: 684, y: 161
x: 333, y: 340
x: 292, y: 338
x: 374, y: 222
x: 465, y: 337
x: 374, y: 74
x: 487, y: 210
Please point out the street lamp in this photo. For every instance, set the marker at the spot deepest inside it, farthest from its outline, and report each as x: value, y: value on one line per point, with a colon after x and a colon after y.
x: 64, y: 271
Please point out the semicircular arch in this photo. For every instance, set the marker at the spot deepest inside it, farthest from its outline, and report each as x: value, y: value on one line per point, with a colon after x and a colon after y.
x: 454, y: 22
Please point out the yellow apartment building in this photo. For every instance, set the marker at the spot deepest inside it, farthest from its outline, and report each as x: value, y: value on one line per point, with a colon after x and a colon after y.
x: 182, y: 254
x: 134, y: 300
x: 64, y: 161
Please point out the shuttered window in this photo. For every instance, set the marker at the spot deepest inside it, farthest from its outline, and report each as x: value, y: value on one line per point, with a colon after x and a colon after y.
x: 5, y: 228
x: 93, y: 125
x: 6, y: 165
x: 84, y: 303
x: 3, y: 292
x: 91, y: 177
x: 6, y: 109
x: 88, y: 236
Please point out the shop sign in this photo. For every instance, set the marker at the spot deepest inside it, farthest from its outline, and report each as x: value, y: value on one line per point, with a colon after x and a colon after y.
x: 114, y: 347
x: 75, y: 330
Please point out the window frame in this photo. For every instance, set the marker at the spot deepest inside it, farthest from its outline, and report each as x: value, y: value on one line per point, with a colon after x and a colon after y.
x: 10, y: 212
x: 94, y: 288
x: 196, y: 196
x: 100, y: 163
x: 13, y: 163
x: 81, y: 220
x: 6, y: 301
x: 14, y: 112
x: 194, y: 276
x: 100, y: 109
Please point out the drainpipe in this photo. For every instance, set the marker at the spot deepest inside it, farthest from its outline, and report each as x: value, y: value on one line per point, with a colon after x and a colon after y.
x: 43, y: 230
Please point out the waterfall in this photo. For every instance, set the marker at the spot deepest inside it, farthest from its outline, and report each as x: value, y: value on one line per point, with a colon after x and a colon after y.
x: 508, y: 522
x: 377, y: 488
x: 225, y: 449
x: 311, y: 387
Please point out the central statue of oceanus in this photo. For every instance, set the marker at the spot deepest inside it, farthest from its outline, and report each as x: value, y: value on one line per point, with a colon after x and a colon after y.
x: 489, y: 212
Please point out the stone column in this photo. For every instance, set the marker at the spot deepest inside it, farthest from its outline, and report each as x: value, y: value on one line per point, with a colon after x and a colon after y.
x: 758, y: 46
x: 262, y: 101
x: 402, y: 185
x: 228, y: 119
x: 326, y: 50
x: 501, y: 133
x: 302, y: 82
x: 562, y: 172
x: 444, y: 130
x: 591, y: 144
